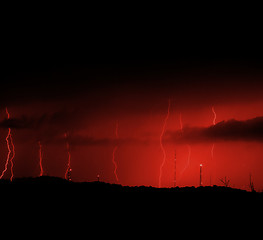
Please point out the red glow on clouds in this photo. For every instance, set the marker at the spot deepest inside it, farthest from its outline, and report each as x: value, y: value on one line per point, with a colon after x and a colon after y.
x: 142, y: 153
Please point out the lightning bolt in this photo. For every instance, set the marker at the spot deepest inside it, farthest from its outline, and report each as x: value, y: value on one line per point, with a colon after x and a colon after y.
x: 212, y: 151
x: 40, y: 159
x: 213, y: 145
x: 214, y: 120
x: 188, y: 146
x: 68, y: 170
x: 11, y: 151
x: 161, y: 142
x: 175, y: 169
x: 181, y: 123
x: 189, y: 150
x: 114, y: 152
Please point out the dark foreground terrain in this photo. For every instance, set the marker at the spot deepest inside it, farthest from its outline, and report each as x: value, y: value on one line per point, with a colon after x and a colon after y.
x: 60, y: 198
x: 55, y: 185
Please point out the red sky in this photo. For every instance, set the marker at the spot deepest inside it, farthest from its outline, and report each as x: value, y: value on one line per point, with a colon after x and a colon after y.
x: 138, y: 101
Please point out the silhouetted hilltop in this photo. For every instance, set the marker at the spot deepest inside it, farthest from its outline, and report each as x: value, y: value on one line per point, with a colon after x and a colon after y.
x: 59, y: 184
x: 60, y: 197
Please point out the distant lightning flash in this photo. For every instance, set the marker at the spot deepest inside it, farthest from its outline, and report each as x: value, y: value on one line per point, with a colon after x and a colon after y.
x: 175, y: 169
x: 188, y: 146
x: 214, y: 123
x: 214, y: 120
x: 188, y: 158
x: 40, y: 159
x: 213, y: 145
x: 68, y: 170
x: 161, y: 142
x: 181, y: 123
x: 11, y: 151
x: 212, y: 151
x: 114, y: 152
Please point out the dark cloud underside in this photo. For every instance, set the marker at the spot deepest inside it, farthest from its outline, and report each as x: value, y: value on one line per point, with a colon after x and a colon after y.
x: 232, y: 130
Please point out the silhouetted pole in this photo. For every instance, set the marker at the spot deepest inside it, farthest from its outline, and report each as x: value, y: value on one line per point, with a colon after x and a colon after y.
x: 201, y: 165
x: 251, y: 184
x: 98, y: 177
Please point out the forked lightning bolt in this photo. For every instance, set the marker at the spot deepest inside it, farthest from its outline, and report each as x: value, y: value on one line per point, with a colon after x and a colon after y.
x: 11, y: 151
x: 40, y: 159
x: 68, y: 170
x: 161, y: 143
x: 114, y: 152
x: 214, y: 123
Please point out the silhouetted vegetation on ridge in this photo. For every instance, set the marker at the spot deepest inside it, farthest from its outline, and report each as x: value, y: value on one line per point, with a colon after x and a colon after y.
x: 56, y: 183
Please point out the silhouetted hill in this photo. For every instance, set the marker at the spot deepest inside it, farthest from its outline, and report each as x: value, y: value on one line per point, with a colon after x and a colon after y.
x: 48, y: 183
x: 61, y: 198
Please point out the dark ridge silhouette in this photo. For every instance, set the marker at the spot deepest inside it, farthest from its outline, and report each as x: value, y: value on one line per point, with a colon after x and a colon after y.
x: 52, y: 184
x: 60, y: 198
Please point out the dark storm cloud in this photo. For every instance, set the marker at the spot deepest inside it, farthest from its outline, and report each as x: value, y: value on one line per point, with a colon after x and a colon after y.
x: 78, y: 140
x: 23, y: 122
x: 232, y: 130
x: 46, y: 127
x: 55, y: 119
x: 51, y: 128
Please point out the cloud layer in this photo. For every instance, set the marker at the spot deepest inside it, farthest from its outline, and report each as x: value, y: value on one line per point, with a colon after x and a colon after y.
x: 231, y: 130
x: 51, y: 127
